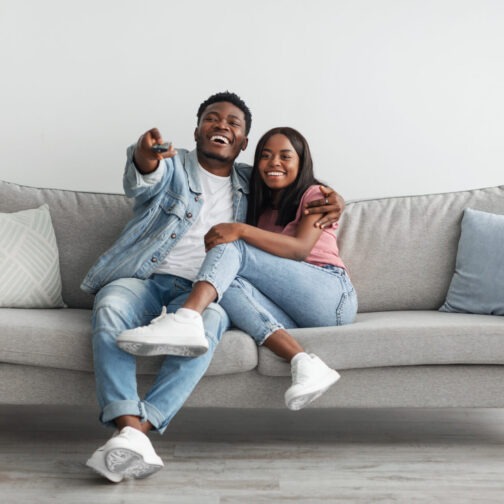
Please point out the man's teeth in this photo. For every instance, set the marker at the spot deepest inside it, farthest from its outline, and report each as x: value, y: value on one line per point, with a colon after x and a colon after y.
x: 220, y: 139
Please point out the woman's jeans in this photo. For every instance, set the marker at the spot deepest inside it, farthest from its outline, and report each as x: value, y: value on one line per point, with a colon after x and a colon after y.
x: 131, y: 302
x: 262, y: 293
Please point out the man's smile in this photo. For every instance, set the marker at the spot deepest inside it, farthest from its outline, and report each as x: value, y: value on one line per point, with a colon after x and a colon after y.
x: 220, y: 139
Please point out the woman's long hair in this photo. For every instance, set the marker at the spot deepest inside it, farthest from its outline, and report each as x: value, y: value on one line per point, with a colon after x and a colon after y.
x: 260, y: 197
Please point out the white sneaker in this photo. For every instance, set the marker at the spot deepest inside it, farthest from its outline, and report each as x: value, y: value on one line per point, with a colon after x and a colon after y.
x: 131, y: 455
x: 168, y: 334
x: 310, y: 379
x: 97, y: 463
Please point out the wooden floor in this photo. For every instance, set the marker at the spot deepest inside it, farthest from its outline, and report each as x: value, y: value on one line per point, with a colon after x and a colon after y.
x: 246, y: 457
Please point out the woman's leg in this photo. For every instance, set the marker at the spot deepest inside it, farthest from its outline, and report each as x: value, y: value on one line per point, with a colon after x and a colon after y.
x: 250, y: 310
x: 283, y: 344
x: 219, y: 269
x: 283, y: 282
x: 310, y: 295
x: 202, y: 294
x: 253, y: 312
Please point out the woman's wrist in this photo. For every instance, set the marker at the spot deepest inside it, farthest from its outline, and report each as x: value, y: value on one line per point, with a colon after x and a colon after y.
x: 242, y: 230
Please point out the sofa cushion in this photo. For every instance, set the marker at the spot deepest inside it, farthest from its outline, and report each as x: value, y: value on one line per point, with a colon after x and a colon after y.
x: 29, y: 262
x: 85, y: 225
x: 477, y: 285
x: 401, y: 251
x: 62, y: 339
x: 408, y: 338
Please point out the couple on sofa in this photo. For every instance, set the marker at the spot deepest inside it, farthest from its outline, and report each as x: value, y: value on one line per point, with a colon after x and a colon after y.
x: 188, y: 249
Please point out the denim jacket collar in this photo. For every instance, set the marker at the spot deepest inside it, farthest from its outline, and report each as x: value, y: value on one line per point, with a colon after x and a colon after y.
x: 191, y: 166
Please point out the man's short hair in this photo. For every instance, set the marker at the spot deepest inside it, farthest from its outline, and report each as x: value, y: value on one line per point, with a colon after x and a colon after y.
x: 233, y: 98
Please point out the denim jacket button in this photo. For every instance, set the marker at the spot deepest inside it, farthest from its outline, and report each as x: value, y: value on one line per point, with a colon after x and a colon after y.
x: 196, y: 198
x: 154, y: 259
x: 189, y: 215
x: 173, y: 235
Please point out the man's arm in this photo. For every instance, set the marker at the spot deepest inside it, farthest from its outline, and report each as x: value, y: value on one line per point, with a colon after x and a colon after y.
x: 145, y: 159
x: 143, y: 171
x: 331, y: 206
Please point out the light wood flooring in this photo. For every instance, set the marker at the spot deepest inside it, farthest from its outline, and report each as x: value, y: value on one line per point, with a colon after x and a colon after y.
x: 246, y: 457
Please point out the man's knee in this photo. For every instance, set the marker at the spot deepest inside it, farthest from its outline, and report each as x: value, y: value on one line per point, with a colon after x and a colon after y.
x: 119, y: 304
x: 123, y: 291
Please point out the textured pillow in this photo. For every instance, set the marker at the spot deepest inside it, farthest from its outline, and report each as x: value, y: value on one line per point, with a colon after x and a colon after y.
x: 29, y: 261
x: 477, y: 285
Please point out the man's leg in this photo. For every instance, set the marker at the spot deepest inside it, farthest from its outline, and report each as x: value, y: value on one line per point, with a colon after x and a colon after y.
x: 122, y: 304
x: 118, y: 306
x: 129, y: 303
x: 178, y: 376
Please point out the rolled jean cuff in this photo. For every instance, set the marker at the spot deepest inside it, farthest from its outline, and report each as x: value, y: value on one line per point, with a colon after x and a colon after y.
x: 120, y: 408
x: 211, y: 281
x: 155, y: 417
x: 271, y: 329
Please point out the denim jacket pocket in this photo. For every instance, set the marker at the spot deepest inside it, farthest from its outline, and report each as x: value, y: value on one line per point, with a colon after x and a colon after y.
x: 164, y: 217
x: 172, y: 206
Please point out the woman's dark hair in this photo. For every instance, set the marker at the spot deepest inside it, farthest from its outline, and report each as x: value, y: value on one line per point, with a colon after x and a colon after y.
x: 260, y: 197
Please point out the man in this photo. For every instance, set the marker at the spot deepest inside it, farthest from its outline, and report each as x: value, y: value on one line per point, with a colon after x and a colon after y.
x: 178, y: 197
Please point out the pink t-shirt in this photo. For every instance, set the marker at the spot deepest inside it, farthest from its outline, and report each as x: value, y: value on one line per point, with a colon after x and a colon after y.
x: 325, y: 251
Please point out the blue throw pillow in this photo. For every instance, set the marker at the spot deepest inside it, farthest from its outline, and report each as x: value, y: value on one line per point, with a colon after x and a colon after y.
x: 477, y: 285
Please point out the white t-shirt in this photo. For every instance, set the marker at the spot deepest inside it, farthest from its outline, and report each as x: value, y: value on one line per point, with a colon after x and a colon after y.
x: 185, y: 258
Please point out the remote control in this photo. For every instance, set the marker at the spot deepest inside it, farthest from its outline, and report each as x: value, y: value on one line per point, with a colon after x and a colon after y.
x: 160, y: 148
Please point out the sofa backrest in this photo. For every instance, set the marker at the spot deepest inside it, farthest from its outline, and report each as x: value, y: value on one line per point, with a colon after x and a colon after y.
x: 401, y: 251
x: 85, y: 225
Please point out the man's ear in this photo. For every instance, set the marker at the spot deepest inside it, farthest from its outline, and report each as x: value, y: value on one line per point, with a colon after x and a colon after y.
x: 245, y: 143
x: 196, y: 134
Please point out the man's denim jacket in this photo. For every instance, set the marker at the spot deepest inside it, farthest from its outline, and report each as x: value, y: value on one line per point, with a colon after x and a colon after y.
x: 163, y: 212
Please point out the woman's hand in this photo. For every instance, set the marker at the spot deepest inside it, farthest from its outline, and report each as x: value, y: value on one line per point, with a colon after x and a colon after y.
x: 223, y: 233
x: 331, y: 207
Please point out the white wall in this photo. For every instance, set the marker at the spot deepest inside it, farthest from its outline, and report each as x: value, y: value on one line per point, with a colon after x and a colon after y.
x: 395, y: 96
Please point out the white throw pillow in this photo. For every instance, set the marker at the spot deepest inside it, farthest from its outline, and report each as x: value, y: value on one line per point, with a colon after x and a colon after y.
x: 29, y: 260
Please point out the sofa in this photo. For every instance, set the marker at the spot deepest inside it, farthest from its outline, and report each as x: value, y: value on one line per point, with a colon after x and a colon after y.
x: 401, y: 351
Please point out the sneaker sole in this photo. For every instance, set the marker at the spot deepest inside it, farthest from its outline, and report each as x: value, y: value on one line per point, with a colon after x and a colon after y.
x: 300, y: 401
x: 129, y: 463
x: 113, y: 477
x: 148, y: 350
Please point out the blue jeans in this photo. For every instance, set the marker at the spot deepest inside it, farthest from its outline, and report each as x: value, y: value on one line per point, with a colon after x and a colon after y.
x: 131, y: 302
x: 262, y: 293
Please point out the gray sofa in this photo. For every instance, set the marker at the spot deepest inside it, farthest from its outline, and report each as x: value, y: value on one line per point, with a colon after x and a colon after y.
x: 400, y: 352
